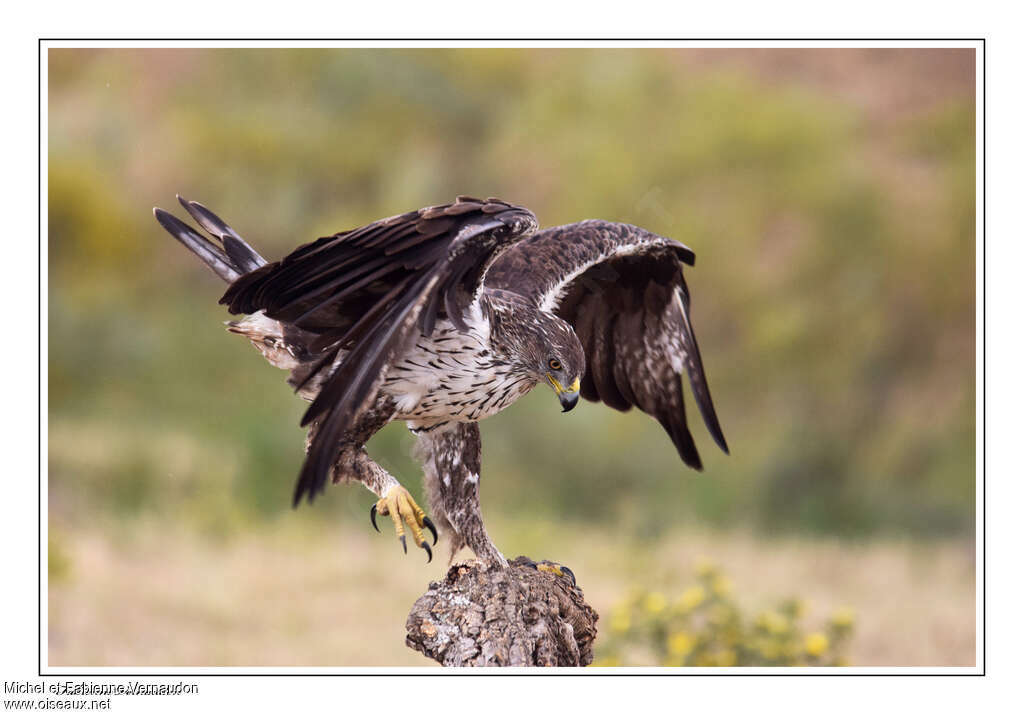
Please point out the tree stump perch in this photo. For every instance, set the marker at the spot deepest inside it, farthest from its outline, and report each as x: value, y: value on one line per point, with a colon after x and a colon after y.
x: 519, y: 616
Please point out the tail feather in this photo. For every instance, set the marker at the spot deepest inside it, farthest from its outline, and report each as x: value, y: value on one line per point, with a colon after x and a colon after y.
x: 241, y: 253
x: 210, y: 253
x: 229, y: 256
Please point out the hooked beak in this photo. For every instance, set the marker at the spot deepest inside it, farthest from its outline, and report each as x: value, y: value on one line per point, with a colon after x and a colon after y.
x: 569, y: 399
x: 568, y: 396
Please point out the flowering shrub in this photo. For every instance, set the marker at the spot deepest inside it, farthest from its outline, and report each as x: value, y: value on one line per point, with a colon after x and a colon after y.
x: 704, y: 626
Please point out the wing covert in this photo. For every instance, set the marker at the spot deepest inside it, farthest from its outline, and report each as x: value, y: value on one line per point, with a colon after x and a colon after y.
x: 365, y: 293
x: 622, y: 290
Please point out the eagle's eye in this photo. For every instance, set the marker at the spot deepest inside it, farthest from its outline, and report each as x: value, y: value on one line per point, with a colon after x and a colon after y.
x: 554, y: 364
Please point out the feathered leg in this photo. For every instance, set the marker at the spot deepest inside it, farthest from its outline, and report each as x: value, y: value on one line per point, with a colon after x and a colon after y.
x: 450, y: 454
x: 353, y: 464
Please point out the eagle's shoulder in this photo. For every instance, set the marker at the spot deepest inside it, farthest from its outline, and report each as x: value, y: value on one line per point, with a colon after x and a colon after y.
x: 542, y: 266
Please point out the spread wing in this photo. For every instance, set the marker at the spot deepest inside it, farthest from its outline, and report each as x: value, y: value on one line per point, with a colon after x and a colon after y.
x: 622, y: 290
x: 364, y: 294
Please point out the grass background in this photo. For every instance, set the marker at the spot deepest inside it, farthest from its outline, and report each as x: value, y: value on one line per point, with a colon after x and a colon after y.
x: 828, y: 194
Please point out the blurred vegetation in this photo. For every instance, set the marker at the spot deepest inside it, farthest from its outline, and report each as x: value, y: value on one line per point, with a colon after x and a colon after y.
x: 833, y: 294
x: 705, y: 626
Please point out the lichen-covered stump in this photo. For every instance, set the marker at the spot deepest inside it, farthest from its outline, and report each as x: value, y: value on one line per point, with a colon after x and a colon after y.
x: 515, y: 616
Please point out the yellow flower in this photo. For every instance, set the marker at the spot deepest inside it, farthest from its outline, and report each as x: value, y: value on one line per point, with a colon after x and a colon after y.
x: 772, y: 622
x: 769, y: 649
x: 706, y: 568
x: 721, y: 586
x: 620, y: 620
x: 681, y: 643
x: 778, y: 625
x: 731, y: 635
x: 793, y: 607
x: 727, y: 658
x: 720, y: 615
x: 843, y: 618
x: 692, y: 597
x: 816, y: 644
x: 655, y: 602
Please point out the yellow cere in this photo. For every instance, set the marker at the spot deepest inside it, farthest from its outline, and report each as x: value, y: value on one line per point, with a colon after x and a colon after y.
x: 575, y: 387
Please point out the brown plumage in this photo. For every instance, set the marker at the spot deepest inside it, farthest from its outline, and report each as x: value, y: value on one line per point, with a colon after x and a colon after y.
x: 446, y: 315
x: 366, y: 291
x: 618, y: 286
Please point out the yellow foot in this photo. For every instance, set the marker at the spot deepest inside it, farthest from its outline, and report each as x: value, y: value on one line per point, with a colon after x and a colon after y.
x: 399, y: 505
x: 556, y: 569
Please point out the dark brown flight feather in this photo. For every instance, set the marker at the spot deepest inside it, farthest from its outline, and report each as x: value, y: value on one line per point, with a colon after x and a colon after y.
x: 368, y: 291
x: 348, y: 306
x: 617, y: 285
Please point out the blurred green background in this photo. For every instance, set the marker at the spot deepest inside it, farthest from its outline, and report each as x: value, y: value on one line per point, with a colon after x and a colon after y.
x: 829, y: 196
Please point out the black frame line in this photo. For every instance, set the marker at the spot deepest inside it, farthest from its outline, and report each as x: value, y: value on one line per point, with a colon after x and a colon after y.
x: 498, y: 672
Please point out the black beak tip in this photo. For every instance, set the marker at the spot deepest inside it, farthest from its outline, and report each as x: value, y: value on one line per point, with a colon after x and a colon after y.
x: 569, y: 402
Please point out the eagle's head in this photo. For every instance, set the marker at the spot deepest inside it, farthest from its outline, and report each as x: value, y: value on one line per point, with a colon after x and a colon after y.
x: 540, y: 346
x: 558, y: 358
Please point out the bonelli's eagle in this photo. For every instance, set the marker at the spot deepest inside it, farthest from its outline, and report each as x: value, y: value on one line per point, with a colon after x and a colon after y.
x: 447, y: 315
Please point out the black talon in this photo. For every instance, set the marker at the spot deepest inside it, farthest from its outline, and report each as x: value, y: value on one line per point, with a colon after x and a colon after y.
x: 430, y: 525
x: 401, y: 538
x: 373, y: 517
x: 430, y: 554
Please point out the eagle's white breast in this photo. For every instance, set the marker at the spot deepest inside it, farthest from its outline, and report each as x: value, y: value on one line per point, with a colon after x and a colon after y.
x: 453, y: 375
